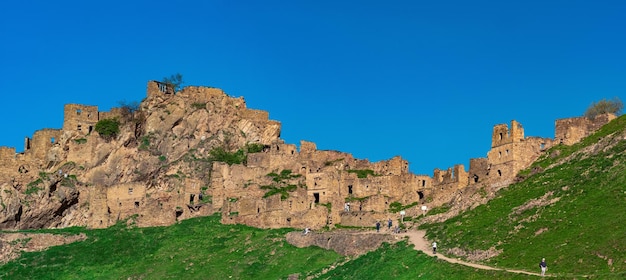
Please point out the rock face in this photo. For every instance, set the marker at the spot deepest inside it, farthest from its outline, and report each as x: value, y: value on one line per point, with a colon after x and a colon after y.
x: 13, y: 244
x: 43, y: 204
x: 199, y: 151
x: 347, y: 243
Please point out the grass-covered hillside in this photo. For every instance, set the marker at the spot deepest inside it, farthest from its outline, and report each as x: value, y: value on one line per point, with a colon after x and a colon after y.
x: 570, y: 209
x: 199, y: 248
x: 202, y: 248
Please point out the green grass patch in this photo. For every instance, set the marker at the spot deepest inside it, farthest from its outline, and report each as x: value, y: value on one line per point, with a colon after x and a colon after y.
x: 281, y: 184
x: 199, y: 248
x: 396, y: 207
x: 198, y: 105
x: 401, y: 261
x: 362, y: 173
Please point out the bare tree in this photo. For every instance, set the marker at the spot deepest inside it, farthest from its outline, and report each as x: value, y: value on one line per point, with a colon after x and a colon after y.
x: 604, y: 106
x: 175, y: 81
x: 128, y: 109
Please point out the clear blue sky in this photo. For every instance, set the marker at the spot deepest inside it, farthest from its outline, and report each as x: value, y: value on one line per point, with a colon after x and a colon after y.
x: 425, y: 80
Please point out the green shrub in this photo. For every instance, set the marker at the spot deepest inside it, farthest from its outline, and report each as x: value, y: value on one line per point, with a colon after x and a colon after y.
x: 281, y: 185
x: 396, y: 207
x: 145, y: 142
x: 198, y: 105
x: 108, y: 128
x: 254, y: 148
x: 32, y: 190
x: 363, y: 172
x: 221, y: 155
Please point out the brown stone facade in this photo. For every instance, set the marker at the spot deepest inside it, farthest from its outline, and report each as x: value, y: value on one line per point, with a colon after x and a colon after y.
x: 156, y: 170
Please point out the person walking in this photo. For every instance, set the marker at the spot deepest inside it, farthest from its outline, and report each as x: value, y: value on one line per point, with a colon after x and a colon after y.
x: 389, y: 224
x: 435, y: 247
x: 377, y: 226
x: 543, y: 267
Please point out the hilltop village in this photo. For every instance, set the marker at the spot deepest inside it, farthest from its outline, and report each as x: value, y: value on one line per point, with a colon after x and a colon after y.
x: 163, y: 166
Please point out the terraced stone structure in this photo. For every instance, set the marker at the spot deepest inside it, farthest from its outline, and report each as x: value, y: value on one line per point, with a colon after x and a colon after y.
x: 162, y: 167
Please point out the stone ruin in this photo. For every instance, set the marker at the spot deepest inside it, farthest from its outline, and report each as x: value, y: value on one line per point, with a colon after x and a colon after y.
x: 129, y: 178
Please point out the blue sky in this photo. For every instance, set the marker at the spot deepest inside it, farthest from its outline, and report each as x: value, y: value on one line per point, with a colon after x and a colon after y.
x: 425, y: 80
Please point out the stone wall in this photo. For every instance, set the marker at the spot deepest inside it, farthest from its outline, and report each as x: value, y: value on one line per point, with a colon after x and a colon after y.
x: 41, y: 143
x: 158, y: 88
x: 571, y: 130
x: 503, y: 135
x: 510, y: 152
x: 80, y: 119
x: 113, y: 113
x: 8, y: 161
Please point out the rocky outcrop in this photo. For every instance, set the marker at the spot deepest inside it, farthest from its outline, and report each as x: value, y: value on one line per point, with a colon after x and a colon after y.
x: 347, y: 243
x: 43, y: 204
x: 200, y: 151
x: 13, y: 244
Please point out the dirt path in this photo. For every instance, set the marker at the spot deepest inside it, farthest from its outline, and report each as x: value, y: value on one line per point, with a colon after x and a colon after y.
x: 418, y: 238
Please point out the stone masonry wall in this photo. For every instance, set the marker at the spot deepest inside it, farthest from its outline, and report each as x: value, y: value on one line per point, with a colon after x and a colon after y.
x: 571, y: 130
x: 42, y: 142
x: 79, y: 118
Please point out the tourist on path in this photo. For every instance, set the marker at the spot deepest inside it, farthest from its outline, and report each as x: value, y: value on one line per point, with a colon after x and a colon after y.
x: 543, y: 267
x: 389, y: 224
x: 435, y: 247
x: 377, y: 226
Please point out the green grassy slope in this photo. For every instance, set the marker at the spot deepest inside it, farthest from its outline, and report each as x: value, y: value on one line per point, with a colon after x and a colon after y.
x: 573, y: 213
x: 198, y: 248
x: 202, y: 248
x: 400, y: 261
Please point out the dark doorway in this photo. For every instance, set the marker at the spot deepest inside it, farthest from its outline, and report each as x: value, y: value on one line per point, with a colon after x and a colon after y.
x: 317, y: 197
x: 421, y: 195
x: 350, y: 189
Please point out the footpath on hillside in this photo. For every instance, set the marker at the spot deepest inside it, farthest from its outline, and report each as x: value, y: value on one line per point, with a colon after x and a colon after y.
x: 418, y: 238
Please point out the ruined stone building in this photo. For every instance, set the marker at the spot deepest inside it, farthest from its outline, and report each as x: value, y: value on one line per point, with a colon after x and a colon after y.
x: 158, y: 171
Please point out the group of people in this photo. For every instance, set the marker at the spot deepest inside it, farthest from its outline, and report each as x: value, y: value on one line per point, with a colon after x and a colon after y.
x: 389, y: 224
x: 542, y: 265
